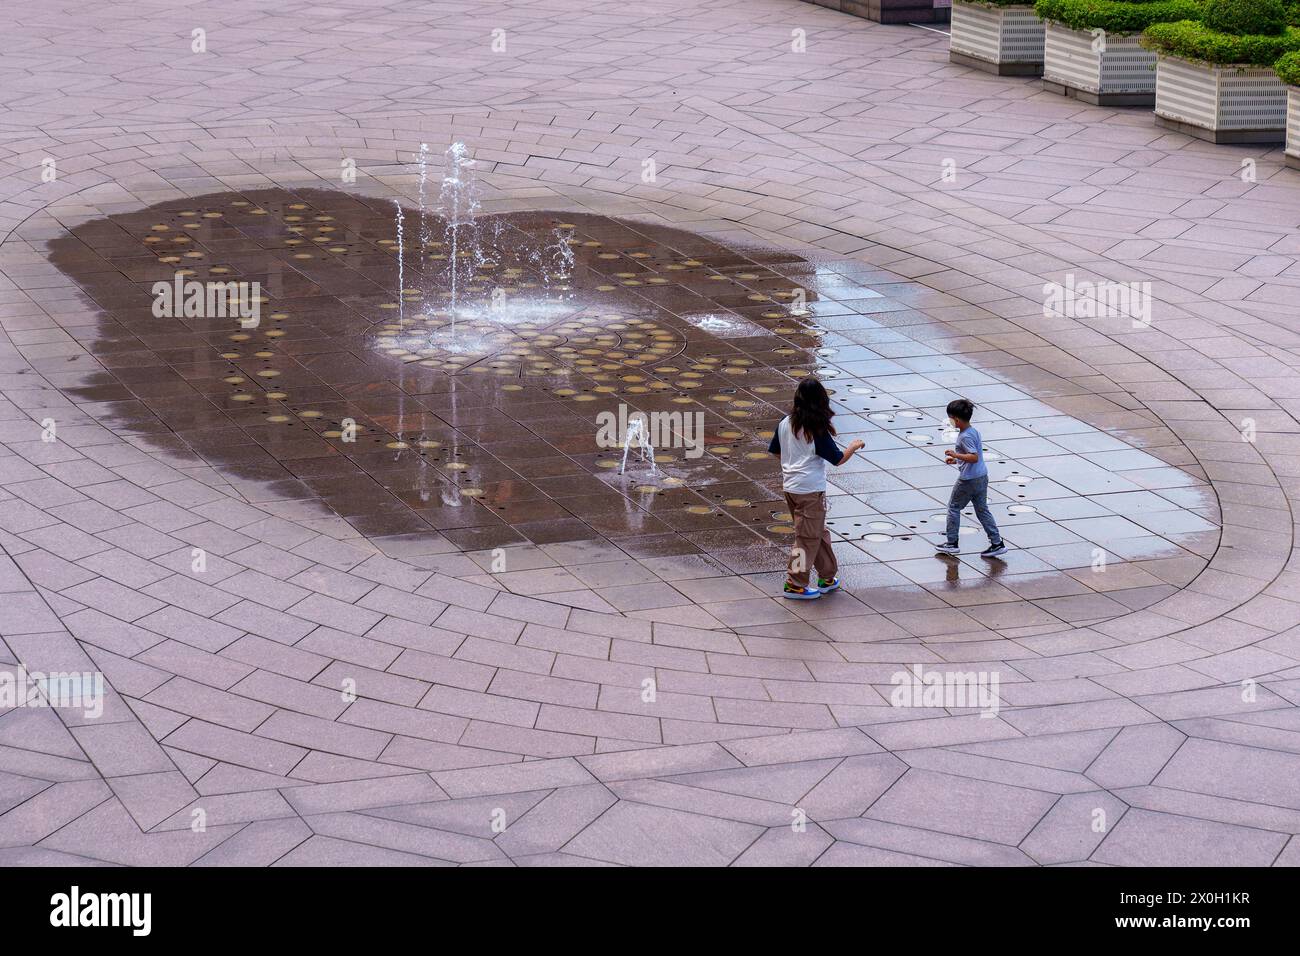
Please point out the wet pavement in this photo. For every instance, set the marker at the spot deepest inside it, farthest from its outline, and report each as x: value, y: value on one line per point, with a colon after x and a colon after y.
x: 486, y: 436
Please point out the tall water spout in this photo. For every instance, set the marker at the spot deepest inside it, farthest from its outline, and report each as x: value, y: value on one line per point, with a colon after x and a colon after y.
x: 423, y: 162
x: 459, y: 205
x: 401, y: 259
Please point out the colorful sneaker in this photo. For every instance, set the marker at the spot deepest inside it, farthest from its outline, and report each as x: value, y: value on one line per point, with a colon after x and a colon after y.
x: 826, y: 587
x: 800, y: 594
x: 947, y: 548
x: 993, y: 550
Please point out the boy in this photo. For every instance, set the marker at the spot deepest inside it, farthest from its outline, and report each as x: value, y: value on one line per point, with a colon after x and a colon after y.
x: 972, y: 482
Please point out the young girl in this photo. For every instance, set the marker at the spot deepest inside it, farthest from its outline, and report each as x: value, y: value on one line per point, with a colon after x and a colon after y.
x: 803, y: 440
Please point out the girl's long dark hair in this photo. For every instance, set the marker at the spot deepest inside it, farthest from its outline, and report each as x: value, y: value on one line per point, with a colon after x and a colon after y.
x: 811, y: 412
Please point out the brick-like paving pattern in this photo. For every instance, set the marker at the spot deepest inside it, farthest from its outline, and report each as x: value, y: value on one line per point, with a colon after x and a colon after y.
x: 486, y: 695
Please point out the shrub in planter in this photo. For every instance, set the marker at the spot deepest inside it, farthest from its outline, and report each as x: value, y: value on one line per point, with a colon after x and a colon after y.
x: 1237, y: 32
x: 997, y: 36
x: 1288, y: 71
x: 1215, y: 78
x: 1116, y: 17
x: 1092, y: 50
x: 1196, y: 41
x: 1244, y: 17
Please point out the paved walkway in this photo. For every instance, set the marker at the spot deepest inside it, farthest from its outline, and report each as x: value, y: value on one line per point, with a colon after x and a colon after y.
x: 1147, y: 709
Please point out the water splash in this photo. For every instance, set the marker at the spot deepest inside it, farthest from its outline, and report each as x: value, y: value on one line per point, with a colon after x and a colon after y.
x: 491, y: 251
x: 562, y: 256
x: 482, y: 304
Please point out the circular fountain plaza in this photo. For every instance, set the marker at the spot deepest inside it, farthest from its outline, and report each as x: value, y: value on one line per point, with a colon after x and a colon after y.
x: 368, y: 557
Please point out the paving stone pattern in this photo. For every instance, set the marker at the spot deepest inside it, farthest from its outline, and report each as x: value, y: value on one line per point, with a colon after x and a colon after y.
x: 354, y: 678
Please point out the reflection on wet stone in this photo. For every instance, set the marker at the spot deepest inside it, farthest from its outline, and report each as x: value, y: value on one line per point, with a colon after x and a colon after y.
x: 372, y: 400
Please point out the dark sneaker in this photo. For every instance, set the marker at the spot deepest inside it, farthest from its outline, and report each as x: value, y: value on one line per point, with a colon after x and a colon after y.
x: 826, y: 587
x: 947, y: 548
x: 800, y: 594
x: 993, y: 550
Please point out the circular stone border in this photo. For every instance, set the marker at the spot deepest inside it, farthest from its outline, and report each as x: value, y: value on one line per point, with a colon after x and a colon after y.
x: 1241, y: 548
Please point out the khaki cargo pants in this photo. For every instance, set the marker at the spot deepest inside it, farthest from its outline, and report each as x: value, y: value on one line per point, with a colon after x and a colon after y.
x: 812, y: 547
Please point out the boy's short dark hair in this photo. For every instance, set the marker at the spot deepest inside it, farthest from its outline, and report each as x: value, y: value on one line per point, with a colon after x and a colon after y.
x: 961, y: 409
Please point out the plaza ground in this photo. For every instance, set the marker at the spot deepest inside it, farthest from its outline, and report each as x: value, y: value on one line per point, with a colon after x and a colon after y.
x: 1148, y: 707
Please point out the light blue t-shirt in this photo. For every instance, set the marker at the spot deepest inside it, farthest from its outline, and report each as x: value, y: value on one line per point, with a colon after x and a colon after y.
x: 969, y: 442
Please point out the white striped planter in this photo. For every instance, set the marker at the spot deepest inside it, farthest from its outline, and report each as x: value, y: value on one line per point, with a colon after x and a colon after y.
x: 1220, y: 103
x: 1293, y: 127
x: 1118, y: 73
x: 1007, y: 41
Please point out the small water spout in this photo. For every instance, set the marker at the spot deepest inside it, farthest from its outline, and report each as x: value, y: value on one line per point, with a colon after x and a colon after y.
x: 636, y: 443
x: 423, y: 480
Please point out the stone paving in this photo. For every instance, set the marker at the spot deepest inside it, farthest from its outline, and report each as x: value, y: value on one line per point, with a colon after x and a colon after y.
x: 384, y: 660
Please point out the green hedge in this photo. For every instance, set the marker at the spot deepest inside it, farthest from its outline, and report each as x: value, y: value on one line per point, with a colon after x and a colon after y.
x: 1196, y: 41
x: 1115, y: 16
x: 1288, y: 69
x: 999, y: 3
x: 1245, y: 17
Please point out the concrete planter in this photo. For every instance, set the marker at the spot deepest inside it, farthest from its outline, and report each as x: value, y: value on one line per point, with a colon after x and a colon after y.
x: 1007, y: 41
x: 1221, y: 103
x: 1118, y: 73
x: 1293, y: 127
x: 891, y: 11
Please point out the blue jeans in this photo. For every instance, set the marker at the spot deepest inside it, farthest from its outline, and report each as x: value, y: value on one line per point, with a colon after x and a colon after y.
x: 966, y: 491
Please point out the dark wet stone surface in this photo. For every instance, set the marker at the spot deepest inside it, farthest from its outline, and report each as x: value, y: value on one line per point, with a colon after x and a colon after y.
x: 493, y: 441
x: 487, y: 448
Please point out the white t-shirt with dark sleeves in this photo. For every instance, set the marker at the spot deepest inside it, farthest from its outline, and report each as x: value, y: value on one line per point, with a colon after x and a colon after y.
x: 803, y: 462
